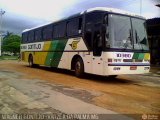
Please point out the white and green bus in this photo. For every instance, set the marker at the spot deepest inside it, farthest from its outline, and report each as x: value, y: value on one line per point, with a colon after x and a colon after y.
x: 101, y: 41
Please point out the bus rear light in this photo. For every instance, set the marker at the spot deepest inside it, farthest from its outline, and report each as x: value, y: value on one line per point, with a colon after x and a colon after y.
x: 109, y: 60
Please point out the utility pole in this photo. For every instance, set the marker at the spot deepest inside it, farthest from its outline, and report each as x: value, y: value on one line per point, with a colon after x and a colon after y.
x: 140, y: 7
x: 2, y: 12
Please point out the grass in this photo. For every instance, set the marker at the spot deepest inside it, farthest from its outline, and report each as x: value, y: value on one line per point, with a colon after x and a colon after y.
x: 8, y: 57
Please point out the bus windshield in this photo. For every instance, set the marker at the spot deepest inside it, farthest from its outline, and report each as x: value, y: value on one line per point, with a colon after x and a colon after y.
x: 123, y: 35
x: 139, y: 34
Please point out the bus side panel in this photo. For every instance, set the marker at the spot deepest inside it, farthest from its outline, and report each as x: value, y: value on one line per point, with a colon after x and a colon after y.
x: 40, y: 56
x: 55, y: 52
x: 67, y: 57
x: 65, y: 60
x: 26, y: 56
x: 76, y: 46
x: 87, y: 60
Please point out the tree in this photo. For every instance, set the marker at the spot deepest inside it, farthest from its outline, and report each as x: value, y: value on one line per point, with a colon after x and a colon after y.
x: 8, y: 34
x: 11, y: 43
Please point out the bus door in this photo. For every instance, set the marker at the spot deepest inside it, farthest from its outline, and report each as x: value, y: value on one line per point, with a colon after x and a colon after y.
x: 93, y: 24
x: 97, y: 58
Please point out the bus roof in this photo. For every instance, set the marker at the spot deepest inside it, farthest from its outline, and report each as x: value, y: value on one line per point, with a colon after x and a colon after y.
x: 36, y: 27
x: 111, y: 10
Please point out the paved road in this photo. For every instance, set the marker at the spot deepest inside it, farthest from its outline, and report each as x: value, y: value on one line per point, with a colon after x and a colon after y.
x: 36, y: 96
x: 45, y: 90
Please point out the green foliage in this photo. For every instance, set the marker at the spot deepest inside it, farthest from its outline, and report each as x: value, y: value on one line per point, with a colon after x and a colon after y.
x: 11, y: 43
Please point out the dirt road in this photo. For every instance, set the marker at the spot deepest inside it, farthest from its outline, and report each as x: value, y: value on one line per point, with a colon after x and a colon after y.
x: 126, y: 94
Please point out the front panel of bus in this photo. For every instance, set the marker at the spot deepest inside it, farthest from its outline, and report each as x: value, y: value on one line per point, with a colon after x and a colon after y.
x: 120, y: 41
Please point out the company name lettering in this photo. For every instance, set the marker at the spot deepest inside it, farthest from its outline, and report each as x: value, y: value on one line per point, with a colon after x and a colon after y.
x: 34, y: 46
x: 23, y: 47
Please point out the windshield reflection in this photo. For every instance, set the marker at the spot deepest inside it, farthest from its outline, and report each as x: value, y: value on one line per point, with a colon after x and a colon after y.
x: 139, y: 34
x: 123, y: 35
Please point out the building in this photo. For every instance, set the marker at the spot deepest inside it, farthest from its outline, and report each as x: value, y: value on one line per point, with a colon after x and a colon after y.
x: 153, y: 29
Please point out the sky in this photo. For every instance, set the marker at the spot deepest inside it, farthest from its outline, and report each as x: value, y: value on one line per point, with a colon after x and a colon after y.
x: 23, y: 14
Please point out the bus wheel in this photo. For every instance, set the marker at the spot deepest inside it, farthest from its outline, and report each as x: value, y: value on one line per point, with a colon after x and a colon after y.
x: 30, y: 61
x: 79, y: 68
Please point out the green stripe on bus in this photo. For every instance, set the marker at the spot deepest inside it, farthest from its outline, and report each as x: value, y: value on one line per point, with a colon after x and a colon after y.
x: 49, y: 56
x: 53, y: 58
x: 139, y: 56
x: 135, y: 56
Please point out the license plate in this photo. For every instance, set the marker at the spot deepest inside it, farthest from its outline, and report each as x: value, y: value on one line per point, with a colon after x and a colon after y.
x: 133, y: 68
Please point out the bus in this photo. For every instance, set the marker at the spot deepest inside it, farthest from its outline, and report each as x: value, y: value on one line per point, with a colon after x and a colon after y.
x: 101, y: 41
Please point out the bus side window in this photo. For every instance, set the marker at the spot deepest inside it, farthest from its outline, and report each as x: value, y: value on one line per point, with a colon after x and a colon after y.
x: 80, y: 26
x: 90, y: 20
x: 24, y: 37
x: 88, y: 35
x: 97, y: 40
x: 47, y: 32
x: 31, y: 36
x: 38, y: 34
x: 74, y: 27
x: 59, y: 30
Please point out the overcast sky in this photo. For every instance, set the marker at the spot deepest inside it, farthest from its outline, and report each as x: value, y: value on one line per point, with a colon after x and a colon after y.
x: 23, y: 14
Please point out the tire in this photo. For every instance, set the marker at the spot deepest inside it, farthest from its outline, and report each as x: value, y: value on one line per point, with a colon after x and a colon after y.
x: 30, y: 61
x: 79, y: 68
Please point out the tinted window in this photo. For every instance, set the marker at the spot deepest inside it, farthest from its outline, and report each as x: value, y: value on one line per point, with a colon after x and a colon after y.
x: 47, y: 32
x: 59, y: 30
x: 94, y: 17
x: 31, y: 36
x: 38, y: 34
x: 74, y: 27
x: 24, y: 37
